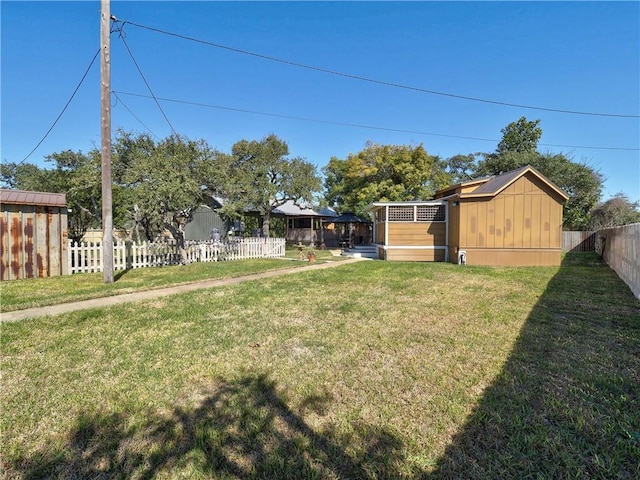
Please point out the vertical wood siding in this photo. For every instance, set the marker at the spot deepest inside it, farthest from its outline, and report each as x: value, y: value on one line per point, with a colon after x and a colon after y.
x: 522, y: 216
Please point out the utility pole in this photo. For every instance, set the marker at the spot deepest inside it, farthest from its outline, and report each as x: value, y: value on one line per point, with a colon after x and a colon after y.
x: 105, y: 93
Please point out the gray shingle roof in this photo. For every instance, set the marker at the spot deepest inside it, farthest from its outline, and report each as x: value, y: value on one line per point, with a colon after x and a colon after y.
x: 289, y: 208
x: 347, y: 218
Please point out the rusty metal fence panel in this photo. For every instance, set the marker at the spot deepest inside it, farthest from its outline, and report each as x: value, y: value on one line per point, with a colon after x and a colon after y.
x: 33, y: 241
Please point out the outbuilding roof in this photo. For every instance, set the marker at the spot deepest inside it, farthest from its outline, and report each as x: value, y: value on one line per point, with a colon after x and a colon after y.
x: 23, y: 197
x: 491, y: 186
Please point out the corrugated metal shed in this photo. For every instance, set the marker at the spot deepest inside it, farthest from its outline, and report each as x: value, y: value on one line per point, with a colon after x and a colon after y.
x: 204, y: 220
x: 23, y: 197
x: 33, y: 234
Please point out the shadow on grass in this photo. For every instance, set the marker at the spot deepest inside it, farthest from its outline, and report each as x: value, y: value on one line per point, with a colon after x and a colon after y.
x: 240, y: 430
x: 121, y: 274
x: 567, y: 402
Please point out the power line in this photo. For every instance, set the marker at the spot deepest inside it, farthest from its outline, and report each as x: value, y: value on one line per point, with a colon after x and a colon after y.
x: 305, y: 119
x: 122, y: 37
x: 64, y: 108
x: 356, y: 125
x: 371, y: 80
x: 118, y: 99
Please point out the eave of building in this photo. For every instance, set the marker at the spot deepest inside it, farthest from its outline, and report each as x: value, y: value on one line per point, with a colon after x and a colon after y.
x: 491, y: 186
x: 499, y: 183
x: 374, y: 205
x: 24, y: 197
x: 458, y: 186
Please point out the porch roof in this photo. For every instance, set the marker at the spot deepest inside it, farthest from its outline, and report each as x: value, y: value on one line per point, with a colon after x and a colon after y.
x: 347, y: 218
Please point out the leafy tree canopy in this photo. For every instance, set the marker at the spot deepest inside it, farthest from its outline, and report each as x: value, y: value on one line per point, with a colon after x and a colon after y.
x: 158, y: 184
x: 382, y: 173
x: 76, y: 174
x: 461, y: 168
x: 162, y: 180
x: 520, y: 137
x: 518, y: 147
x: 23, y: 176
x: 615, y: 212
x: 259, y: 176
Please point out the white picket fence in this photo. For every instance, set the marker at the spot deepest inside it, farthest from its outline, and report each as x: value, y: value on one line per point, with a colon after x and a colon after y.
x: 87, y: 257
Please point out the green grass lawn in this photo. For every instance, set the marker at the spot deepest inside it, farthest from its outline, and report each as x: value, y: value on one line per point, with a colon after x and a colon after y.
x: 368, y: 370
x: 28, y: 293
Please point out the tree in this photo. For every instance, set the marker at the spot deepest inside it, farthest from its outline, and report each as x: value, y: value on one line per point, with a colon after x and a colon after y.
x: 22, y: 176
x: 79, y: 177
x: 75, y: 174
x: 582, y: 183
x: 521, y: 136
x: 615, y: 212
x: 461, y: 168
x: 499, y: 163
x: 259, y: 176
x: 518, y: 148
x: 382, y: 173
x: 162, y: 182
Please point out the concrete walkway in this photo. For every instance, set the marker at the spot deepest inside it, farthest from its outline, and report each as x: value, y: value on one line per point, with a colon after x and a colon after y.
x: 52, y: 310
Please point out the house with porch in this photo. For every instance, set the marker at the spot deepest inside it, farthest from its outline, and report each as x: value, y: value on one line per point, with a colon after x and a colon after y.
x: 303, y: 223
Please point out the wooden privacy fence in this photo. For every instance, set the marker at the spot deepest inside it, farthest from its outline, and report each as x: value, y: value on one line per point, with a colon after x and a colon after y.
x: 578, y: 241
x: 87, y: 257
x: 620, y: 248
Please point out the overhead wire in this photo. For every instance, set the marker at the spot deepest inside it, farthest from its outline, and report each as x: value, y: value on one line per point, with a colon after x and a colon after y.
x: 119, y: 100
x: 356, y: 125
x: 124, y: 41
x: 371, y: 80
x: 64, y: 108
x: 297, y: 64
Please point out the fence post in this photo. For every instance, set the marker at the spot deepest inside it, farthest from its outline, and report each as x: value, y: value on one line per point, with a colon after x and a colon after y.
x: 69, y: 257
x: 86, y: 257
x: 127, y: 255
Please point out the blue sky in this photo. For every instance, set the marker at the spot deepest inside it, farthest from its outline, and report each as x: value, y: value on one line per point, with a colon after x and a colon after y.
x: 578, y: 56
